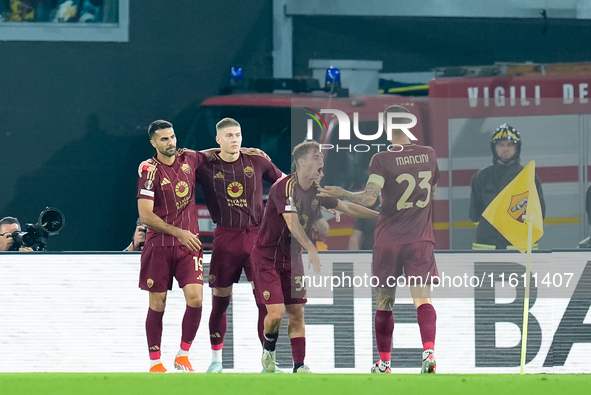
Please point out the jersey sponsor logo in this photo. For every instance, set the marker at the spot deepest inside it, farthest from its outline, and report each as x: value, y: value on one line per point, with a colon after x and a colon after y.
x: 149, y: 184
x: 314, y: 204
x: 146, y: 192
x: 150, y: 282
x: 219, y: 174
x: 181, y: 204
x: 235, y: 189
x: 181, y: 189
x: 518, y: 206
x: 186, y: 168
x: 266, y: 295
x: 248, y: 171
x: 165, y: 181
x: 237, y: 202
x: 304, y: 220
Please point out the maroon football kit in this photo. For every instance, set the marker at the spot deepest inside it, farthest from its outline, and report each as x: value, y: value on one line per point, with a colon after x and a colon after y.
x: 277, y: 256
x: 234, y: 196
x: 171, y: 187
x: 404, y: 235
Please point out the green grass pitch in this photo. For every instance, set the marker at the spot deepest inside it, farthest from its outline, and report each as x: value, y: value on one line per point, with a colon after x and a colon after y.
x: 262, y: 384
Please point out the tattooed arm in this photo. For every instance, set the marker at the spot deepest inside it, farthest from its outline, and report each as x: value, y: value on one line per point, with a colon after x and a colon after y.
x: 365, y: 198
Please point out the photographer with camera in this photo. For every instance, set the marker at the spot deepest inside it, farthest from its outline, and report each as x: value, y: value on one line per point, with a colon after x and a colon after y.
x: 139, y: 237
x: 8, y: 226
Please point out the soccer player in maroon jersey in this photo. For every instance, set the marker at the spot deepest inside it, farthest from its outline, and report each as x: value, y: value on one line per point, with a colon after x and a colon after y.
x: 404, y: 237
x: 232, y: 182
x: 291, y: 209
x: 231, y: 179
x: 172, y: 248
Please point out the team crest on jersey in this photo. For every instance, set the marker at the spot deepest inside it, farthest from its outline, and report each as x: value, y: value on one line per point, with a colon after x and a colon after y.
x: 248, y: 171
x: 165, y: 182
x: 186, y: 168
x: 518, y: 206
x: 235, y: 189
x: 314, y: 204
x: 211, y: 279
x: 266, y: 295
x: 150, y: 283
x: 149, y: 184
x: 219, y: 174
x: 181, y: 189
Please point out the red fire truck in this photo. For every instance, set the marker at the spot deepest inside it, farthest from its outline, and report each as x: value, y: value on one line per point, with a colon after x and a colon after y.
x: 457, y: 119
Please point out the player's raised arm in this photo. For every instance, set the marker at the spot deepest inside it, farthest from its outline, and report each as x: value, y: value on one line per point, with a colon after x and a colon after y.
x: 355, y: 210
x: 365, y: 198
x: 148, y: 218
x: 298, y: 232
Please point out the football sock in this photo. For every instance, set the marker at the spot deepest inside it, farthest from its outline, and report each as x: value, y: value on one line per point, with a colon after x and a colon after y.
x: 298, y: 351
x: 154, y: 333
x: 270, y: 341
x: 384, y: 326
x: 261, y: 324
x: 216, y: 355
x: 427, y: 318
x: 190, y: 324
x: 217, y: 321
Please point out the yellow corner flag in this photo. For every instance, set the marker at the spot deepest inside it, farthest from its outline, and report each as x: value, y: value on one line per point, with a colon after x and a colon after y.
x: 507, y: 211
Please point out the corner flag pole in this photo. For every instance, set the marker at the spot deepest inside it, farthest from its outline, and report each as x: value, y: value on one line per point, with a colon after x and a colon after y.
x: 530, y: 226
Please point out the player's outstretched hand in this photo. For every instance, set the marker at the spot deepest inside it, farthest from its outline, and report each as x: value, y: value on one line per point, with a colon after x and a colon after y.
x: 189, y: 240
x: 314, y: 260
x: 333, y: 192
x: 145, y: 166
x: 336, y: 213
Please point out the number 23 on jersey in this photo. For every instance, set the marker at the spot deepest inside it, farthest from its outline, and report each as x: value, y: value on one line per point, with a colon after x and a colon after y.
x: 424, y: 183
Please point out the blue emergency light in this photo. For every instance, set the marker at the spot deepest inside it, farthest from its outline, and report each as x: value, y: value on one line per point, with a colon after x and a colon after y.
x: 333, y: 75
x: 236, y: 74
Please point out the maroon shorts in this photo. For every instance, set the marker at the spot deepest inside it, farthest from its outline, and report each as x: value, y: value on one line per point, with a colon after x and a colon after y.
x: 160, y: 264
x: 278, y: 283
x: 231, y: 254
x: 412, y: 260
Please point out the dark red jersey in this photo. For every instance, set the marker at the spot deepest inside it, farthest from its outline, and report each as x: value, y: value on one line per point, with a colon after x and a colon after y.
x: 287, y: 196
x: 234, y: 190
x: 406, y: 178
x: 172, y: 190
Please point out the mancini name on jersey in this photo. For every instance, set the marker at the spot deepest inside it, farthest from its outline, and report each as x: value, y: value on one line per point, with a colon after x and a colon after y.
x: 412, y: 159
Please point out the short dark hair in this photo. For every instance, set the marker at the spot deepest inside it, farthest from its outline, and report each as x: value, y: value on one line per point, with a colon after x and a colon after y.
x: 157, y: 125
x: 9, y: 221
x: 226, y: 123
x: 302, y: 149
x: 393, y: 109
